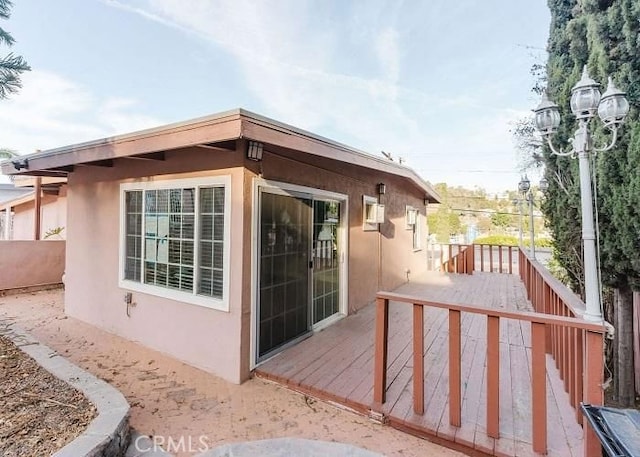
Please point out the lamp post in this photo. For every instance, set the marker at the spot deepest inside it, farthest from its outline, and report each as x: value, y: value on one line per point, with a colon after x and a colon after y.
x: 517, y: 202
x: 612, y: 108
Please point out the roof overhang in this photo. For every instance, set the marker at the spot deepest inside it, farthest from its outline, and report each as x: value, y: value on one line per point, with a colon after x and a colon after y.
x: 218, y: 131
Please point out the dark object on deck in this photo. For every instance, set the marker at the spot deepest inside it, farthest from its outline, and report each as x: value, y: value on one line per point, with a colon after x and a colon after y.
x: 617, y: 429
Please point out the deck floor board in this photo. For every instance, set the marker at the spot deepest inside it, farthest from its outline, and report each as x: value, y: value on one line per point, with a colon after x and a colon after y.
x: 337, y: 364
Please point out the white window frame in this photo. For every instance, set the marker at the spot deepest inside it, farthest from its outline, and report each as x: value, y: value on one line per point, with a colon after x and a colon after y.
x: 178, y: 295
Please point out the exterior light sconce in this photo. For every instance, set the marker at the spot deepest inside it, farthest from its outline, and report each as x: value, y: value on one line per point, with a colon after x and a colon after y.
x: 382, y: 188
x: 254, y: 151
x: 20, y: 164
x: 426, y: 201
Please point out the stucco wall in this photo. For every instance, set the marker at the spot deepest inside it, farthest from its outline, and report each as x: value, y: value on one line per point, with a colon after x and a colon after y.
x: 217, y: 341
x: 53, y: 215
x: 31, y: 263
x: 203, y: 337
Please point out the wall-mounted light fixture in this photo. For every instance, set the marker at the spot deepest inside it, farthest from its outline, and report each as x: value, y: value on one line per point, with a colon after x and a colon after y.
x: 20, y: 164
x: 382, y: 188
x: 254, y: 151
x: 426, y: 201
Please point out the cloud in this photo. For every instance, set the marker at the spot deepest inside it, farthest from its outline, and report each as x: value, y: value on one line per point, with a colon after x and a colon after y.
x: 52, y: 111
x: 341, y: 70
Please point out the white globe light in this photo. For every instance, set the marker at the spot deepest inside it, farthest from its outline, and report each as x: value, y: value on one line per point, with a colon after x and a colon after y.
x: 585, y: 97
x: 613, y: 107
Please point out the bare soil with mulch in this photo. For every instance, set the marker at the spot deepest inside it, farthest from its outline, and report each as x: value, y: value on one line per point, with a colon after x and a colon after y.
x: 39, y: 413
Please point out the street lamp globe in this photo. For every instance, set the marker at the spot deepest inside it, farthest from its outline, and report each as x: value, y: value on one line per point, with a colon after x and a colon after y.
x: 547, y: 116
x: 613, y: 107
x: 544, y: 184
x: 524, y: 185
x: 585, y: 97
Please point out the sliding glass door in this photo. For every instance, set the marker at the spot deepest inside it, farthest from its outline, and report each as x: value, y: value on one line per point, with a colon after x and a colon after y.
x: 299, y: 266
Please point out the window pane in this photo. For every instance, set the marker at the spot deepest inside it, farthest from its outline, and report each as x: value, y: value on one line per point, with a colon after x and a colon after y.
x: 188, y: 223
x: 218, y: 228
x: 206, y: 227
x: 175, y: 200
x: 163, y: 201
x: 217, y: 255
x: 217, y: 284
x: 187, y: 253
x: 206, y: 200
x: 186, y: 279
x: 133, y: 232
x: 150, y: 201
x: 206, y: 253
x: 211, y: 241
x: 218, y: 202
x: 188, y: 203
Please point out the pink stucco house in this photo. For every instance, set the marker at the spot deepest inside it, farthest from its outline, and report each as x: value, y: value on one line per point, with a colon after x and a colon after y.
x: 224, y: 239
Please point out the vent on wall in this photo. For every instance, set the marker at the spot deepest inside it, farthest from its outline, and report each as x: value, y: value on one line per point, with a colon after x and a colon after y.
x: 373, y: 213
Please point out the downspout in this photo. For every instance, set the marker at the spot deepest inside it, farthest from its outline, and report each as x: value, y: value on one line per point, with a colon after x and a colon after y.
x: 7, y: 222
x: 38, y: 207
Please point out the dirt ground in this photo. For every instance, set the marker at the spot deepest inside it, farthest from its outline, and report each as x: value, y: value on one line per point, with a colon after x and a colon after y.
x: 188, y: 410
x: 39, y: 414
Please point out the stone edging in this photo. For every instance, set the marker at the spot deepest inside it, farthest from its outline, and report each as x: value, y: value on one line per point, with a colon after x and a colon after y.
x: 108, y: 434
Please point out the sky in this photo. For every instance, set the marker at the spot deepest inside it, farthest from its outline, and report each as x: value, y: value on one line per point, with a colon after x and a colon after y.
x: 438, y: 83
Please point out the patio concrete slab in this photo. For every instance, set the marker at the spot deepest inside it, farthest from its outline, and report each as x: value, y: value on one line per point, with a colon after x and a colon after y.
x: 187, y: 411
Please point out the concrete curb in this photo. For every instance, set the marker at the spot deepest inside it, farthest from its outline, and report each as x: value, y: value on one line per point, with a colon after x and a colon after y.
x: 108, y: 434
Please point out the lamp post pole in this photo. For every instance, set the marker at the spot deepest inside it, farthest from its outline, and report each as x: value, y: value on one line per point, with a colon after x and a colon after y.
x: 582, y: 145
x: 517, y: 202
x: 532, y: 247
x: 612, y: 107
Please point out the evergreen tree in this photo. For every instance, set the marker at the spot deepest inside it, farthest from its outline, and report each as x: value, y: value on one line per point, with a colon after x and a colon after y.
x: 11, y: 65
x: 605, y: 35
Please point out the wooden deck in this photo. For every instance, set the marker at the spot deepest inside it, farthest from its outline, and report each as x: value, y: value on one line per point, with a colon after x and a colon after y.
x: 336, y: 364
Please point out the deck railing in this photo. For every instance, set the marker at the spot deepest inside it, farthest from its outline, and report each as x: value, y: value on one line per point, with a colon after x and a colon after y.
x: 495, y: 258
x: 460, y: 258
x: 467, y: 258
x: 587, y: 366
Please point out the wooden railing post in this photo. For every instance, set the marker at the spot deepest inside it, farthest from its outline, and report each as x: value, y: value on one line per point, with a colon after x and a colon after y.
x: 493, y: 376
x: 593, y: 393
x: 455, y: 395
x: 418, y: 359
x: 538, y: 388
x: 380, y: 367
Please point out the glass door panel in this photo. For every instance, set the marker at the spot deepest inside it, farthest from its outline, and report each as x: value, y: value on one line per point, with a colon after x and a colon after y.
x: 285, y: 228
x: 326, y: 265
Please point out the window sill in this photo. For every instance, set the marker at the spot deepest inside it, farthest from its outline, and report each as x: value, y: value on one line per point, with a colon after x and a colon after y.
x: 176, y: 295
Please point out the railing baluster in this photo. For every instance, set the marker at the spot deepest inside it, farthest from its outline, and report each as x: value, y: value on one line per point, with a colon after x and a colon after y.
x: 500, y: 258
x: 482, y: 257
x: 455, y: 394
x: 382, y: 336
x: 418, y: 359
x: 510, y: 260
x: 538, y: 388
x: 577, y: 391
x: 571, y: 375
x: 490, y: 258
x: 493, y: 376
x: 593, y: 393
